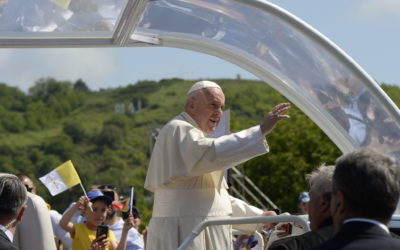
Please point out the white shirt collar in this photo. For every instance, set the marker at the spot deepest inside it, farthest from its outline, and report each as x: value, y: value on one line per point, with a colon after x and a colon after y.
x: 375, y: 222
x: 188, y: 118
x: 7, y: 232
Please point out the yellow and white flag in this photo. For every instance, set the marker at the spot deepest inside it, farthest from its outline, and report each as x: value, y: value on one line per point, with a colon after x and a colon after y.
x: 61, y: 178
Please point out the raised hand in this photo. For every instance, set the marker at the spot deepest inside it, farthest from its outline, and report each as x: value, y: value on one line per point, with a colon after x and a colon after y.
x: 273, y: 117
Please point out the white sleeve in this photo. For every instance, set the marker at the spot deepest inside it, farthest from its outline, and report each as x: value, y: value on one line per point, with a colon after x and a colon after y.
x: 229, y: 150
x: 182, y: 151
x: 242, y: 209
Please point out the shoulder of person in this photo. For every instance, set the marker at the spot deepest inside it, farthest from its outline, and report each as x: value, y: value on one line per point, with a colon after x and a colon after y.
x: 303, y: 241
x: 177, y: 122
x: 133, y: 233
x: 111, y: 233
x: 178, y: 125
x: 80, y: 226
x: 284, y: 244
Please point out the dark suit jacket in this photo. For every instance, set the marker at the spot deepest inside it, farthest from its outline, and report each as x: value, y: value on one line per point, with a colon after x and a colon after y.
x: 307, y: 240
x: 5, y: 243
x: 360, y: 236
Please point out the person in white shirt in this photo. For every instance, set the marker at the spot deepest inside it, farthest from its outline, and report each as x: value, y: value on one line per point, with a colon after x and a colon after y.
x: 116, y: 223
x: 186, y: 172
x: 60, y: 233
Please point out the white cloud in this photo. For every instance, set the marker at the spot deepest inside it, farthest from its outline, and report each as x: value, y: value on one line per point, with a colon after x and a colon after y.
x: 22, y: 67
x: 378, y: 12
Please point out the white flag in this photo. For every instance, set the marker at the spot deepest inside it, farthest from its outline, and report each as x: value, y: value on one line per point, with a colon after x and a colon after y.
x: 61, y: 178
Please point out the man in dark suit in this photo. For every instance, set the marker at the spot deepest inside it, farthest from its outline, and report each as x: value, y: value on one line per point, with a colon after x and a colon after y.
x: 13, y: 196
x: 366, y: 190
x: 320, y: 181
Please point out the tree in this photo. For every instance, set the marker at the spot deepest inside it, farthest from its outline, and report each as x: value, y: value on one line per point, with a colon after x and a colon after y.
x: 11, y: 98
x: 61, y: 146
x: 111, y: 136
x: 13, y: 122
x: 75, y: 130
x: 297, y: 145
x: 46, y: 87
x: 81, y: 86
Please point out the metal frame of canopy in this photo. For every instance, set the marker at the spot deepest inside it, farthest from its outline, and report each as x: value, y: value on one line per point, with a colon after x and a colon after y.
x: 126, y: 34
x: 125, y: 26
x: 245, y: 220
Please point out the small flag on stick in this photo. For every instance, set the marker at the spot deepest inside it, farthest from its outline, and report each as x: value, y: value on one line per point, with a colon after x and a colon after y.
x: 61, y: 178
x: 123, y: 205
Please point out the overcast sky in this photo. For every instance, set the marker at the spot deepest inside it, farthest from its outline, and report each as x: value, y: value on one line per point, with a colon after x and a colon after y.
x: 367, y: 30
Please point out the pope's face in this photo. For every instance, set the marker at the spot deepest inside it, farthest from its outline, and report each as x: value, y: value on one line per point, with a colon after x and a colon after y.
x: 207, y: 108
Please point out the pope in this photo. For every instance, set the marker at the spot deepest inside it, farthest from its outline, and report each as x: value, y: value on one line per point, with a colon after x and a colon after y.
x: 186, y: 172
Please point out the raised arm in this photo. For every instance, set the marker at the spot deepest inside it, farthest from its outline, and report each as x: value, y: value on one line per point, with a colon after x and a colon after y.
x: 65, y: 222
x: 129, y: 222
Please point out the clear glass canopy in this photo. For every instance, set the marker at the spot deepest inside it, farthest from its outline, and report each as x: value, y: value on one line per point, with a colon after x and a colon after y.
x: 280, y: 49
x: 54, y: 18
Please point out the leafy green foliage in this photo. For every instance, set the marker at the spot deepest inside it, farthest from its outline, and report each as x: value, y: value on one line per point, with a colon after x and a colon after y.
x: 393, y: 92
x: 81, y: 86
x: 59, y: 121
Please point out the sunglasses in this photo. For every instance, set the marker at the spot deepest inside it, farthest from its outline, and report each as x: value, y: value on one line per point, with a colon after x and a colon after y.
x: 106, y: 186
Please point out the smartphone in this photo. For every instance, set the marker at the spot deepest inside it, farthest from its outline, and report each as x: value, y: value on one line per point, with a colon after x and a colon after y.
x: 101, y: 229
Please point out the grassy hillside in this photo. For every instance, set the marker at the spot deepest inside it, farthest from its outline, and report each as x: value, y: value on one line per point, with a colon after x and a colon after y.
x: 110, y: 144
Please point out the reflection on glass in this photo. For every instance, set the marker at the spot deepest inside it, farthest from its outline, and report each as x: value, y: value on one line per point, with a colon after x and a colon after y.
x: 312, y: 70
x: 59, y: 15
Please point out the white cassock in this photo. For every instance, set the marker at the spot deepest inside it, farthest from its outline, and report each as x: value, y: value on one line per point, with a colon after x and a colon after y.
x: 186, y: 173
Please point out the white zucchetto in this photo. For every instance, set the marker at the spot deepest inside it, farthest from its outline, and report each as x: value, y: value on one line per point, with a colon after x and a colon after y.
x: 202, y: 85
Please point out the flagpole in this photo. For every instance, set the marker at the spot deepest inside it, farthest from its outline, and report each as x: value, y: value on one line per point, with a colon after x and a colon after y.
x: 131, y: 200
x: 80, y: 183
x: 89, y: 205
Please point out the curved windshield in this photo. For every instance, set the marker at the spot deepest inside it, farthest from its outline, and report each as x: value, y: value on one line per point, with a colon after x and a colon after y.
x: 334, y: 88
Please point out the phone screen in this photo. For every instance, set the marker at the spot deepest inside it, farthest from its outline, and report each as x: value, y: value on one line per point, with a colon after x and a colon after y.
x: 101, y: 229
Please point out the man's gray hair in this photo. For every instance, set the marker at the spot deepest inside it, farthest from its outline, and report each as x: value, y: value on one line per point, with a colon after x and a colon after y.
x: 320, y: 180
x: 13, y: 195
x: 370, y: 182
x: 194, y: 95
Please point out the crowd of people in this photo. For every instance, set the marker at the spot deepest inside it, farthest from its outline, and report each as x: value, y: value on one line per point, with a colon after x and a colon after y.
x: 77, y: 227
x: 349, y: 205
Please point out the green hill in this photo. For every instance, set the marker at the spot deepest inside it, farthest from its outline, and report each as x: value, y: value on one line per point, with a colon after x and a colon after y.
x: 106, y: 134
